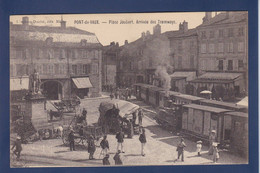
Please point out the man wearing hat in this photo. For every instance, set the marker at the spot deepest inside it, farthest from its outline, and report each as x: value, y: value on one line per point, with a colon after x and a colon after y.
x: 71, y: 140
x: 117, y: 158
x: 142, y: 139
x: 180, y: 149
x: 105, y: 160
x: 212, y: 138
x: 104, y: 145
x: 120, y: 140
x: 215, y: 152
x: 91, y: 147
x: 18, y: 147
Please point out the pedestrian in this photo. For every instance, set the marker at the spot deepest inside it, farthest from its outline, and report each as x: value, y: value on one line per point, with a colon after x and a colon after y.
x: 116, y: 93
x: 212, y: 139
x: 130, y: 93
x: 180, y: 149
x: 117, y: 158
x: 18, y: 147
x: 104, y: 145
x: 60, y: 131
x: 45, y: 102
x: 71, y: 139
x: 134, y: 118
x: 105, y: 160
x: 120, y: 140
x: 215, y: 152
x: 81, y: 131
x: 130, y: 129
x: 140, y: 117
x: 111, y: 95
x: 91, y: 147
x: 84, y: 115
x: 142, y: 139
x: 199, y: 146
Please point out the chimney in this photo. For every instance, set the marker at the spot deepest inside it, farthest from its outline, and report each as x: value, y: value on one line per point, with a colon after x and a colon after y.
x: 49, y: 40
x: 25, y: 22
x: 185, y: 26
x: 180, y: 27
x: 126, y: 42
x: 208, y: 16
x: 62, y: 23
x: 157, y: 29
x: 117, y: 44
x: 83, y: 42
x: 148, y: 33
x: 143, y: 34
x: 112, y: 43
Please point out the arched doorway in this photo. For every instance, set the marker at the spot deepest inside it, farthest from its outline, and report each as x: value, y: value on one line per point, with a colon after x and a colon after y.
x: 52, y: 90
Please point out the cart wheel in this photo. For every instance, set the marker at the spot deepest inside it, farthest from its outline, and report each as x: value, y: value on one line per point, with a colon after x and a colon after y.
x: 77, y: 140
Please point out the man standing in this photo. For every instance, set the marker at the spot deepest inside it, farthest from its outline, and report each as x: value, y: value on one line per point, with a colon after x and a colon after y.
x: 105, y: 160
x: 84, y: 115
x: 212, y: 139
x: 142, y: 139
x: 117, y: 158
x: 180, y: 149
x: 104, y: 145
x: 91, y: 147
x: 71, y: 140
x: 140, y: 117
x: 18, y: 147
x: 120, y: 140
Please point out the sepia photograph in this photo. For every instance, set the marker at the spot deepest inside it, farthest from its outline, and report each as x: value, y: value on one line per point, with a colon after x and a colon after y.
x: 129, y: 89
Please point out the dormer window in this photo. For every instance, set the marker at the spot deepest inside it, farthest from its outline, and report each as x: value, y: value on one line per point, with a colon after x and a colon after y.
x: 49, y: 40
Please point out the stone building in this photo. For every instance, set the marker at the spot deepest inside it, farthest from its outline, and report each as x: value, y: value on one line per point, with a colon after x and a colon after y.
x: 109, y: 64
x: 139, y: 60
x: 223, y: 53
x: 67, y: 59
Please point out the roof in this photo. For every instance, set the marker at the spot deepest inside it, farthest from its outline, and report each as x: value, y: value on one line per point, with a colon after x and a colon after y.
x: 189, y: 97
x: 206, y: 108
x: 68, y: 34
x: 184, y: 74
x: 156, y: 88
x: 21, y: 83
x: 239, y: 114
x: 224, y: 104
x: 221, y: 77
x: 178, y: 33
x: 224, y: 18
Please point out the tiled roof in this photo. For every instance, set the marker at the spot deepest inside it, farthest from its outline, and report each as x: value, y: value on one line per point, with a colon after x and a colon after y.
x: 220, y: 76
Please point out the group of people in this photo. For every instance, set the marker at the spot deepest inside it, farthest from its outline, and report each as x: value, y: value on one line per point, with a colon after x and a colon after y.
x: 213, y: 147
x: 121, y: 94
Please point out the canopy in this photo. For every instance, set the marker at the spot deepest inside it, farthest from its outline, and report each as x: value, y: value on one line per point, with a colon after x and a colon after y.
x: 126, y: 108
x: 82, y: 82
x: 21, y: 83
x: 205, y: 92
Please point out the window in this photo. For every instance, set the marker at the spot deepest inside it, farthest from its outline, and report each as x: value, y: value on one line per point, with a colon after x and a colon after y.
x: 203, y: 48
x: 39, y: 68
x: 62, y: 54
x: 121, y: 65
x: 179, y: 62
x: 192, y: 61
x: 203, y: 35
x: 211, y: 48
x: 240, y: 64
x: 57, y: 53
x: 94, y: 68
x: 80, y: 69
x: 220, y: 65
x: 74, y: 69
x: 150, y: 62
x: 180, y: 45
x: 230, y: 64
x: 19, y: 53
x: 230, y: 47
x: 86, y: 68
x: 50, y: 68
x: 240, y: 31
x: 56, y: 69
x: 211, y: 34
x: 220, y: 47
x: 62, y: 68
x: 240, y: 46
x: 44, y: 68
x: 230, y: 32
x: 50, y: 54
x: 84, y: 54
x: 221, y: 33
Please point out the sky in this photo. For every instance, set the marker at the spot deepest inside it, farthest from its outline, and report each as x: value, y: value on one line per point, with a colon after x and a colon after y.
x: 110, y: 28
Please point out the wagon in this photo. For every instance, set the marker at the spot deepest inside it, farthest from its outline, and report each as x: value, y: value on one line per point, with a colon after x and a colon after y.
x: 82, y: 132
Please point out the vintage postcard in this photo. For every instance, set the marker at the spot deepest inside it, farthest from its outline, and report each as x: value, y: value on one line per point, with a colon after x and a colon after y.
x: 129, y: 89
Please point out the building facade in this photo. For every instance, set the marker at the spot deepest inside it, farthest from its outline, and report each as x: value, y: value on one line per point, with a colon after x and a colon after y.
x: 67, y: 59
x: 223, y: 46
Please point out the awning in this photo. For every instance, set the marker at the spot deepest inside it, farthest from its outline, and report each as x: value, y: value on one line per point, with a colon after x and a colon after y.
x: 216, y: 77
x: 188, y: 75
x: 243, y: 102
x: 82, y: 82
x: 21, y: 83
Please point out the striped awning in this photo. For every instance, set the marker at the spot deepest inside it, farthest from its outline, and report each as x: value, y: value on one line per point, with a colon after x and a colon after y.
x: 82, y: 82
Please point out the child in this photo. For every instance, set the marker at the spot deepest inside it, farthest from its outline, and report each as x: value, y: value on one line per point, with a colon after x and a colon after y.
x: 199, y: 146
x: 215, y: 152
